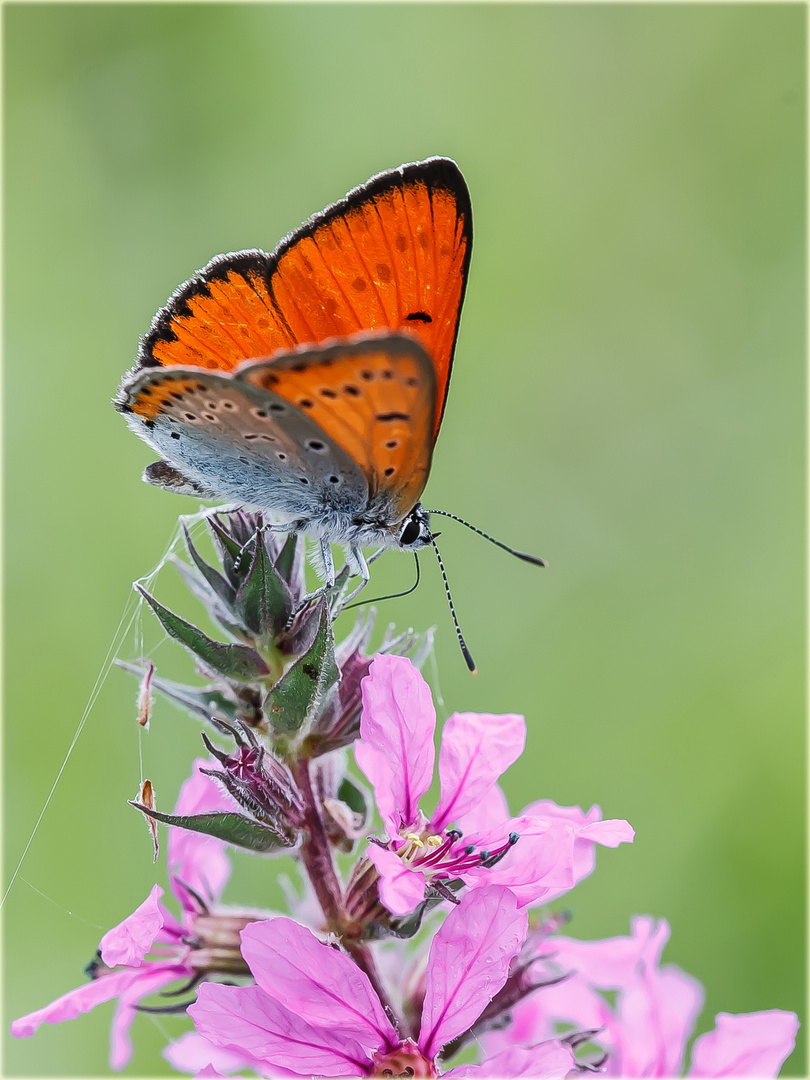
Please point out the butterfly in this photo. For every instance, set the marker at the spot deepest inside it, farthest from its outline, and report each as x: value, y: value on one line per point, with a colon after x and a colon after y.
x: 311, y: 382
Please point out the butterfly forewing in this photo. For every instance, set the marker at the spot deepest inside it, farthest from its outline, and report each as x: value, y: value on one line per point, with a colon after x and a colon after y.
x: 218, y: 319
x: 392, y: 255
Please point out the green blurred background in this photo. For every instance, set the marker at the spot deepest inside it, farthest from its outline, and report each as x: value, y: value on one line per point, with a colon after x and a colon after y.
x: 628, y: 401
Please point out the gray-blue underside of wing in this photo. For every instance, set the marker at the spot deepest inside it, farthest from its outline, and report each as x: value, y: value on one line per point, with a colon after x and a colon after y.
x: 251, y: 446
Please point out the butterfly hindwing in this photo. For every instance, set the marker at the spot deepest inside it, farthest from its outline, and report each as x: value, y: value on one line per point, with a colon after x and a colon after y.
x: 241, y: 442
x: 344, y: 428
x: 374, y: 397
x: 393, y: 254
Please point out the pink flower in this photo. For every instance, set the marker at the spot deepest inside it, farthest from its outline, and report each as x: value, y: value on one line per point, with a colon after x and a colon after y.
x: 539, y: 855
x: 315, y: 1012
x: 193, y: 1054
x: 646, y: 1032
x: 198, y: 871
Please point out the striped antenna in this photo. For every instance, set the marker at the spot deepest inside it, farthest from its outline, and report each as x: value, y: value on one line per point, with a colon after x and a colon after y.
x: 533, y: 559
x: 465, y: 652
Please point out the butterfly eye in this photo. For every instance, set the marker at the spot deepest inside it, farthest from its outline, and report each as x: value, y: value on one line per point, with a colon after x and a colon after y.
x: 410, y: 534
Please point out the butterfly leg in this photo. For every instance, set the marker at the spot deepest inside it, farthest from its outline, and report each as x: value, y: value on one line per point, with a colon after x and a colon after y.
x: 263, y: 526
x: 328, y: 564
x: 360, y: 567
x: 327, y: 570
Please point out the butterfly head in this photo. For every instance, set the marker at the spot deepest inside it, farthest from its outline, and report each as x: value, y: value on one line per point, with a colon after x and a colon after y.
x: 413, y: 532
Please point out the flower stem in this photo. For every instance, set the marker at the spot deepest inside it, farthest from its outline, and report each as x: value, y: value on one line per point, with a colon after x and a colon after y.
x: 316, y: 852
x: 316, y: 855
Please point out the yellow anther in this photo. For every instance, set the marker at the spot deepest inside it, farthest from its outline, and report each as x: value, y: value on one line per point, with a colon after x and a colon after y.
x: 415, y: 838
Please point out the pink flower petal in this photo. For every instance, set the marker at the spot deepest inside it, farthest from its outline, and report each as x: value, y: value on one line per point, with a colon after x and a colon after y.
x: 75, y: 1002
x: 401, y: 888
x: 491, y: 810
x: 748, y: 1044
x: 588, y: 829
x: 130, y: 941
x: 148, y: 981
x: 244, y: 1018
x: 536, y: 1017
x: 551, y: 1060
x: 316, y: 982
x: 398, y: 721
x: 539, y: 866
x: 612, y: 963
x: 374, y: 766
x: 655, y: 1016
x: 609, y: 833
x: 476, y: 748
x: 469, y: 962
x: 192, y: 1053
x: 194, y: 859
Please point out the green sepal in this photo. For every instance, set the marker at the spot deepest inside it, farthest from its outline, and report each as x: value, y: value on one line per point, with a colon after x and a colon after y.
x: 286, y: 561
x: 404, y: 927
x: 230, y: 551
x: 232, y: 828
x: 353, y: 796
x: 336, y: 592
x: 203, y: 701
x: 263, y: 602
x: 409, y: 925
x: 238, y: 662
x: 222, y: 588
x: 198, y: 587
x: 301, y: 691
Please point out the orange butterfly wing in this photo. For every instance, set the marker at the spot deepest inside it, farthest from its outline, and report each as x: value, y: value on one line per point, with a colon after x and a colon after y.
x: 392, y: 255
x: 375, y: 397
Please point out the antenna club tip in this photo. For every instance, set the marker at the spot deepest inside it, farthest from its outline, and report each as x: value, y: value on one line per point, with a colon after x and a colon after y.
x: 535, y: 560
x: 469, y: 660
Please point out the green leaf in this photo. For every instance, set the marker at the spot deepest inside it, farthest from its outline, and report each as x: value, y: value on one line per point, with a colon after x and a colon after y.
x: 232, y: 828
x: 302, y: 690
x: 263, y: 602
x: 238, y: 662
x: 200, y: 700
